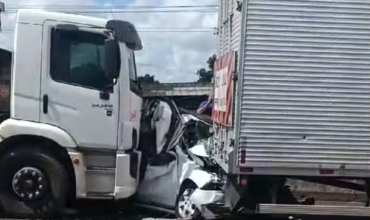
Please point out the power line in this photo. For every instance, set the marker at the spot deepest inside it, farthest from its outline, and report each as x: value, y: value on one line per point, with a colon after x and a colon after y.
x: 178, y: 31
x: 172, y: 32
x: 176, y: 28
x: 185, y: 30
x: 161, y: 29
x: 112, y: 6
x: 102, y: 11
x: 117, y: 8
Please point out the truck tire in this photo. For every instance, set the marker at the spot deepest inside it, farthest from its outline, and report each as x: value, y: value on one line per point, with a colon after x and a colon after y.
x: 32, y: 184
x: 184, y: 208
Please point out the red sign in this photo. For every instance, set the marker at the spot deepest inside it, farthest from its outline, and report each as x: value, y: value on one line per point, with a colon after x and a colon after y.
x: 223, y: 89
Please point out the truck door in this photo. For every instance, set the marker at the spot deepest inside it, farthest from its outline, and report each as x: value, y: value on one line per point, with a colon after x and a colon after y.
x: 73, y: 81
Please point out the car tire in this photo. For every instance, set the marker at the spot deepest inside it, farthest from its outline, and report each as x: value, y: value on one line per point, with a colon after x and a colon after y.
x: 33, y: 184
x: 184, y: 208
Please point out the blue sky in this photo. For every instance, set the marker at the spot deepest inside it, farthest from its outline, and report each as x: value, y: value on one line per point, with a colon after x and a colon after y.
x: 171, y: 57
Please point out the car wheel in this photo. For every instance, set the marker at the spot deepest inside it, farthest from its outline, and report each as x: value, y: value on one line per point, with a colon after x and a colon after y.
x: 185, y: 209
x: 32, y: 184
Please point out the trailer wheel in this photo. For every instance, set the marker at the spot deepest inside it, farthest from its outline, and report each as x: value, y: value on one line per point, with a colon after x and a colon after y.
x: 185, y: 209
x: 32, y: 184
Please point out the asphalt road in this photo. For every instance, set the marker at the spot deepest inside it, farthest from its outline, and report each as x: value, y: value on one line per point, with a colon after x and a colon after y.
x: 106, y: 210
x: 124, y: 216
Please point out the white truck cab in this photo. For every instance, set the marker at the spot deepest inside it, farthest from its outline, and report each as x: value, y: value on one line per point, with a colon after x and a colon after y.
x: 74, y: 125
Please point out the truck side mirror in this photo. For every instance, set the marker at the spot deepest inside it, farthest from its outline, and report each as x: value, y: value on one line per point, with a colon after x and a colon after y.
x: 112, y: 59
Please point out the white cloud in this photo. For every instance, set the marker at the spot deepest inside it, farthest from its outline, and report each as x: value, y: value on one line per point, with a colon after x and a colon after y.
x: 187, y: 51
x: 171, y: 57
x: 8, y: 19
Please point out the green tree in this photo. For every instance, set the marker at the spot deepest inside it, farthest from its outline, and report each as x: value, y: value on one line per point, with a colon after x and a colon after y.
x: 147, y: 79
x: 206, y: 75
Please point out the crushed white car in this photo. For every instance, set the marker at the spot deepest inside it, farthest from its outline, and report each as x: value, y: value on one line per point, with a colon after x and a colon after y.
x: 179, y: 177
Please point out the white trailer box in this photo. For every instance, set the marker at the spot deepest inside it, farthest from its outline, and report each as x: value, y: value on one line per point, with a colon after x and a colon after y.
x: 302, y: 97
x: 292, y: 102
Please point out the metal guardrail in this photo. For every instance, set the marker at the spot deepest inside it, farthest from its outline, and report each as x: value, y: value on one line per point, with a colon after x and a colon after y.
x: 177, y: 89
x: 177, y: 85
x: 172, y: 86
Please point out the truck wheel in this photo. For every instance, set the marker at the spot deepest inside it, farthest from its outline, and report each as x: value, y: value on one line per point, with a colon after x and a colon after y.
x: 185, y: 209
x: 32, y: 184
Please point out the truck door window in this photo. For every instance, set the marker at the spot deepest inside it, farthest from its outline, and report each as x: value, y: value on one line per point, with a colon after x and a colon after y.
x: 133, y: 73
x: 77, y: 58
x: 131, y: 62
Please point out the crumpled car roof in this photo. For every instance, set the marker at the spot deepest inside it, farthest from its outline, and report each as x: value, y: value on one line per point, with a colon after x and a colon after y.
x: 204, y: 118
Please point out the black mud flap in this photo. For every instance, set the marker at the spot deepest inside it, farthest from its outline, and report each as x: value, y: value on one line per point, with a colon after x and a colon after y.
x: 232, y: 195
x: 134, y: 164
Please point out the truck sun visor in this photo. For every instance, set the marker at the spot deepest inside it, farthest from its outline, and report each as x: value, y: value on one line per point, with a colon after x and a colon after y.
x: 126, y: 32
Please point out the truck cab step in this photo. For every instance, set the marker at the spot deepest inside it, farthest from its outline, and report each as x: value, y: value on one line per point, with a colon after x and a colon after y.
x: 100, y: 170
x: 99, y: 195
